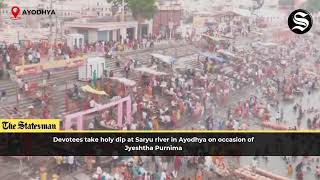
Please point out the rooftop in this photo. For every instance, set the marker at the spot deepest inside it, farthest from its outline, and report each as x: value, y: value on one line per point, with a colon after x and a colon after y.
x: 101, y: 26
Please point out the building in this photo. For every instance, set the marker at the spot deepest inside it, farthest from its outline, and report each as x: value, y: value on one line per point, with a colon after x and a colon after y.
x: 103, y: 31
x: 167, y: 18
x: 100, y: 7
x: 290, y: 4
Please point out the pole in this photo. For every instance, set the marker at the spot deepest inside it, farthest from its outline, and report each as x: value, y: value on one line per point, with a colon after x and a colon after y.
x: 55, y: 41
x: 19, y: 37
x: 50, y: 39
x: 122, y: 18
x: 18, y: 98
x: 50, y: 19
x: 61, y: 20
x: 66, y: 98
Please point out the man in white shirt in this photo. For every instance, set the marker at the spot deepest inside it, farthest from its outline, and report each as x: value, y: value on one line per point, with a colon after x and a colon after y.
x: 254, y: 163
x: 144, y: 115
x: 26, y: 87
x: 71, y: 163
x: 133, y: 126
x: 278, y: 117
x: 30, y: 58
x: 91, y: 125
x: 163, y: 175
x: 167, y: 118
x: 134, y: 107
x: 236, y: 125
x: 38, y: 56
x: 92, y: 103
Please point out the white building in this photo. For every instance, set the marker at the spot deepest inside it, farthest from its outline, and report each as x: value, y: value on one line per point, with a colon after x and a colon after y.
x: 103, y: 31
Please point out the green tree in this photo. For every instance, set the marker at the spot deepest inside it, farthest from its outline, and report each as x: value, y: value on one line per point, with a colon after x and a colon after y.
x: 141, y: 9
x: 1, y: 6
x: 312, y: 5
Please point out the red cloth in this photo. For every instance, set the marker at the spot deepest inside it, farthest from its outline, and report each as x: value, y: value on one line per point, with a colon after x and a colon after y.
x: 177, y: 163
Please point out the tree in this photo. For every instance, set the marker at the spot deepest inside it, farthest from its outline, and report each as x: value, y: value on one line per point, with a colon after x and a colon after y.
x: 312, y: 5
x: 1, y: 6
x: 141, y: 9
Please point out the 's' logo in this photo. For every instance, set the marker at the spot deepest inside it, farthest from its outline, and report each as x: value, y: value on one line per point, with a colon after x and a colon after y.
x: 300, y: 21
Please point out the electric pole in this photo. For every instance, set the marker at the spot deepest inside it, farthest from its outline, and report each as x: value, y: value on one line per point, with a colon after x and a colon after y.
x: 50, y: 40
x: 122, y: 18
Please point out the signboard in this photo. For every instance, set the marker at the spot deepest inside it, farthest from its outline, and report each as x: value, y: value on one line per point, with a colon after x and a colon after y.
x: 38, y: 68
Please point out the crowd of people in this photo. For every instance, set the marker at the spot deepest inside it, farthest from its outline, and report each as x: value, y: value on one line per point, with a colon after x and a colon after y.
x: 139, y: 167
x: 28, y: 52
x: 254, y: 84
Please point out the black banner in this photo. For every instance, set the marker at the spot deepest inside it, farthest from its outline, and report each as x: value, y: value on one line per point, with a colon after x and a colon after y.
x: 160, y: 144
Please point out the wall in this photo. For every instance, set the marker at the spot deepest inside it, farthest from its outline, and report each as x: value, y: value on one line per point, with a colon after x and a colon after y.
x: 93, y: 36
x: 162, y: 18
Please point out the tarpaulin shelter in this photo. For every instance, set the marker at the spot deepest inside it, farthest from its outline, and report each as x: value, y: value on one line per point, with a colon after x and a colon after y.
x: 150, y: 71
x: 226, y: 53
x: 212, y: 57
x: 125, y: 81
x: 166, y: 59
x: 212, y: 38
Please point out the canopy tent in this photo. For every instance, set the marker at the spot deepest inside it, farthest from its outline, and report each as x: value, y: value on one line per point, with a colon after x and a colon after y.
x: 89, y: 89
x: 166, y: 59
x: 258, y: 33
x: 228, y: 36
x: 241, y: 12
x: 267, y: 44
x: 226, y: 53
x: 212, y: 38
x: 125, y: 81
x: 150, y: 71
x: 212, y: 57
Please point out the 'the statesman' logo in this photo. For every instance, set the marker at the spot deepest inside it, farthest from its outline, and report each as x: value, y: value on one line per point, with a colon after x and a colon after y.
x: 15, y: 11
x: 300, y: 21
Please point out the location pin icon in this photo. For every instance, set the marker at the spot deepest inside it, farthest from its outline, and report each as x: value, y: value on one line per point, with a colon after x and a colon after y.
x: 15, y: 10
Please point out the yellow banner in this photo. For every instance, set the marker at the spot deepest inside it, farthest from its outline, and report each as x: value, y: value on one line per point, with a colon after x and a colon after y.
x: 36, y: 68
x: 29, y: 125
x: 198, y: 22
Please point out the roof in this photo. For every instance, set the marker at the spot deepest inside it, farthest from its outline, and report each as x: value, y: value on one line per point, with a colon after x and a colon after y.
x: 163, y: 58
x: 150, y: 71
x: 125, y: 81
x: 75, y: 35
x: 270, y: 12
x: 102, y: 26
